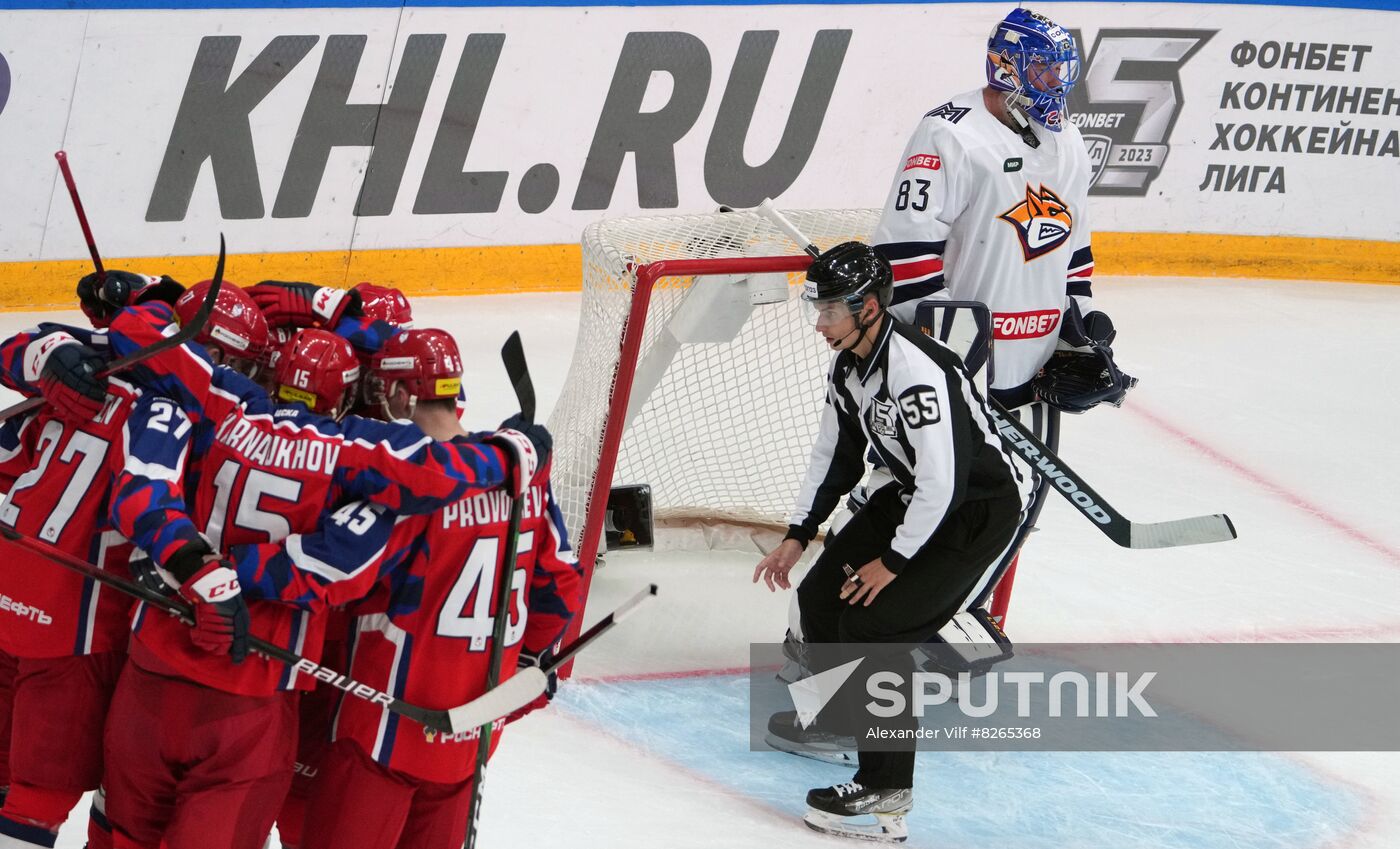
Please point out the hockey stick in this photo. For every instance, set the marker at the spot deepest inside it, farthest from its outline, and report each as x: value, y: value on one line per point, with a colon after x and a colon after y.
x: 522, y: 688
x: 513, y: 355
x: 62, y: 158
x: 1195, y: 530
x: 769, y: 211
x: 179, y: 337
x: 529, y: 682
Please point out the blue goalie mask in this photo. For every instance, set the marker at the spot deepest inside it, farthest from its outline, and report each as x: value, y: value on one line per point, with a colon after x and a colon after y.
x: 1036, y: 62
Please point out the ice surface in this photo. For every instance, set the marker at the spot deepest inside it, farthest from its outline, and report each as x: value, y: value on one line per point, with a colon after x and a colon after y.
x: 1271, y: 401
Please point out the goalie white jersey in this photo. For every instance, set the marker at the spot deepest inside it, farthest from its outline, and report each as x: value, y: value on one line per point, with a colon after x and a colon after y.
x: 977, y: 214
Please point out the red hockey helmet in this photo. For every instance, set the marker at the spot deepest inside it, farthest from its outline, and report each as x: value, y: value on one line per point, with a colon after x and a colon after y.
x: 426, y: 363
x: 319, y: 369
x: 385, y: 303
x: 236, y: 330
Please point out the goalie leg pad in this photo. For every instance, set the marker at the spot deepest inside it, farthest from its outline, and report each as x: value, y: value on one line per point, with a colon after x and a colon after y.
x: 970, y: 643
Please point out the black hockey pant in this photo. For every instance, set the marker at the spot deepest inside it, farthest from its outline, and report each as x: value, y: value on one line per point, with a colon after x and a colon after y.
x: 911, y: 609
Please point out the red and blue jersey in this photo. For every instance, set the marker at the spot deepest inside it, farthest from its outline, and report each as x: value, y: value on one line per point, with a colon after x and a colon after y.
x: 267, y: 476
x: 424, y: 615
x: 65, y: 478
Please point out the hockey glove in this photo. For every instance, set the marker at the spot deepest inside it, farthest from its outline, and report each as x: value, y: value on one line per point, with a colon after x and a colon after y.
x: 1078, y: 381
x: 543, y: 699
x: 104, y: 295
x: 145, y: 572
x: 221, y: 617
x: 1085, y: 332
x: 68, y: 377
x: 530, y: 444
x: 304, y: 304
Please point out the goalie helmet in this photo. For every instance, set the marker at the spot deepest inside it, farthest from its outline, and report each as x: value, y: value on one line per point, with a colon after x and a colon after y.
x: 1036, y: 62
x: 426, y: 363
x: 319, y: 369
x: 236, y: 330
x: 846, y: 274
x: 385, y: 303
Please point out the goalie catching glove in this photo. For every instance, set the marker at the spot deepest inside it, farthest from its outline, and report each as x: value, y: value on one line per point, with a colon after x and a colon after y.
x: 1079, y: 378
x: 1078, y: 381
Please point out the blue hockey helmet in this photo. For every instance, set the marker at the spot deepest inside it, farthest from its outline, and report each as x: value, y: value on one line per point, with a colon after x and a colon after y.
x: 1036, y: 61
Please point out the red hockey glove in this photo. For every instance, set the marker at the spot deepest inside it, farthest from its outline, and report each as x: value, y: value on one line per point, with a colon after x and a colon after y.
x: 543, y: 699
x: 67, y: 372
x: 304, y: 304
x: 529, y: 445
x: 220, y: 614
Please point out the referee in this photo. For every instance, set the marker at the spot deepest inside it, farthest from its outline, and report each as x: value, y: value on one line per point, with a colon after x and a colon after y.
x: 916, y: 552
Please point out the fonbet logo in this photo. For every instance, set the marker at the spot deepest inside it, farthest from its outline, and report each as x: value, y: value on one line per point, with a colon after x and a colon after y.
x: 1128, y: 100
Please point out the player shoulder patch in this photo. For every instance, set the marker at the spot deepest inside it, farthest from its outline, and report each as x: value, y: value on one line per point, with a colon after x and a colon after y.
x: 882, y: 418
x: 919, y: 405
x: 948, y: 112
x: 923, y: 160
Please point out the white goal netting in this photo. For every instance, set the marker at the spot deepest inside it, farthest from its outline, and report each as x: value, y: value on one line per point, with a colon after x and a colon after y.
x: 727, y: 383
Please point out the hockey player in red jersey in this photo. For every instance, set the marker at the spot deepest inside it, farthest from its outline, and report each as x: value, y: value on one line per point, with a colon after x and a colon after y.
x: 367, y: 315
x: 70, y: 641
x: 236, y: 334
x: 319, y: 369
x: 422, y: 631
x: 7, y: 702
x: 263, y: 476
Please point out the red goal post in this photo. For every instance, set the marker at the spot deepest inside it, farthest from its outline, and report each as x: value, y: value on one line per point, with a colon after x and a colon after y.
x: 694, y: 370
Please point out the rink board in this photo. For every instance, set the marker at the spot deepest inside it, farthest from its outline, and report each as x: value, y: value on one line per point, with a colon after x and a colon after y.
x: 509, y: 129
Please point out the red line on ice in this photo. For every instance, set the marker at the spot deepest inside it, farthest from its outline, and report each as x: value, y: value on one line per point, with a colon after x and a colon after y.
x: 1279, y: 490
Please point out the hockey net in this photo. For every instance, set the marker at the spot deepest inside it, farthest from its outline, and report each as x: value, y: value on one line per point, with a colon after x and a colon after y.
x: 694, y: 371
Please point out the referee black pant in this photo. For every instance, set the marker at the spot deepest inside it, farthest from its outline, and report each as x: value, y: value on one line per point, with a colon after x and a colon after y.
x: 921, y: 599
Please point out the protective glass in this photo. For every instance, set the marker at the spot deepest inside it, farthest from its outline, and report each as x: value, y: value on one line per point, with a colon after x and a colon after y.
x: 827, y: 313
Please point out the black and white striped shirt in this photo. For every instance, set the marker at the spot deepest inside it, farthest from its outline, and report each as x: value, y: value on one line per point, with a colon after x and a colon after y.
x: 913, y: 402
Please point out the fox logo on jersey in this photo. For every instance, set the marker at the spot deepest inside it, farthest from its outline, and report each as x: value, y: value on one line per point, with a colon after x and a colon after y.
x: 1042, y: 221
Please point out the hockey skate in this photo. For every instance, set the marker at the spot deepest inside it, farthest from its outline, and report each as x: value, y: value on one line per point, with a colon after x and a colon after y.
x: 865, y: 813
x: 786, y: 734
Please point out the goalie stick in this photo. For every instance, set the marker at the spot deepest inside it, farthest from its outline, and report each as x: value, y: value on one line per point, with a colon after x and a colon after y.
x: 179, y: 337
x: 513, y: 355
x: 1195, y: 530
